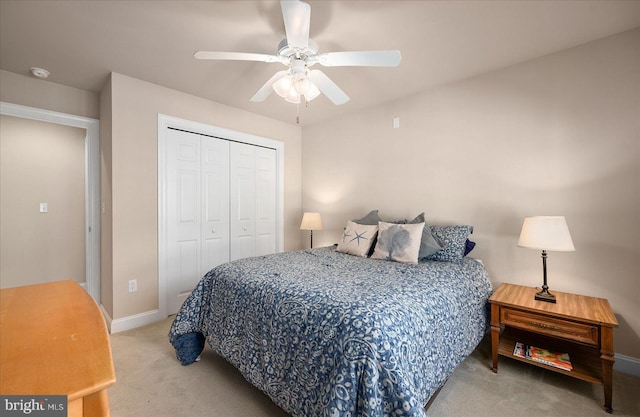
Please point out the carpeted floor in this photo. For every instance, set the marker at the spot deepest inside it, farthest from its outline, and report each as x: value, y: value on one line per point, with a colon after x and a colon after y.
x: 152, y: 383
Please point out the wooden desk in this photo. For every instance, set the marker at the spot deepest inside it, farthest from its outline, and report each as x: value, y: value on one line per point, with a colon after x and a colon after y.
x: 579, y: 325
x: 54, y: 341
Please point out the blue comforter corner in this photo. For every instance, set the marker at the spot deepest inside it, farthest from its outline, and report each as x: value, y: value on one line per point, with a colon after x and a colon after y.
x: 329, y: 334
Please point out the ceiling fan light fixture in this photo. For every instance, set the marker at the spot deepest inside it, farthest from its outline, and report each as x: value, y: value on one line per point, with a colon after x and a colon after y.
x: 302, y: 84
x: 283, y: 86
x: 293, y: 97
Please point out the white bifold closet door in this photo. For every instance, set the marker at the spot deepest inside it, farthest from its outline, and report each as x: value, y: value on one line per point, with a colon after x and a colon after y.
x: 221, y: 199
x: 253, y: 201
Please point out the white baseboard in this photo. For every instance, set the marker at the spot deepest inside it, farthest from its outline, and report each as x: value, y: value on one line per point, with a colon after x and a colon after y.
x: 132, y: 322
x: 627, y: 365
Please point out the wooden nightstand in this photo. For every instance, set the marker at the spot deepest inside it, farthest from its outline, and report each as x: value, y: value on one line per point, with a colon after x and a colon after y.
x: 579, y: 325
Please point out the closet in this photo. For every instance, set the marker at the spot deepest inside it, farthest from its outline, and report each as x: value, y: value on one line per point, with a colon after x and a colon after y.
x: 220, y: 206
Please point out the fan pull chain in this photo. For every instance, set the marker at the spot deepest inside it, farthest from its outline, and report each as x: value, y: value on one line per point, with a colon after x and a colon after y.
x: 306, y: 105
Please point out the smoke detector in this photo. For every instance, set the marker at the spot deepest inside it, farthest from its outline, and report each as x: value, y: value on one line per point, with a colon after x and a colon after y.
x: 40, y: 73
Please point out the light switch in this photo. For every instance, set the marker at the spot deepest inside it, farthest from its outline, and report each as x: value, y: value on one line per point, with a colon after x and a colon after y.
x: 44, y: 208
x: 396, y: 122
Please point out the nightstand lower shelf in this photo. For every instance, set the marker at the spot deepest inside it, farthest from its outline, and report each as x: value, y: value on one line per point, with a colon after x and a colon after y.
x: 585, y: 360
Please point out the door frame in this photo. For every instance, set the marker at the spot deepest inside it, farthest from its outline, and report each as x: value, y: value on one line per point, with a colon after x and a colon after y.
x: 165, y: 123
x: 92, y: 181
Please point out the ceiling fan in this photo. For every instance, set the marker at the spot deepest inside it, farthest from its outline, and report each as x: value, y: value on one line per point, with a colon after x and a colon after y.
x: 299, y: 53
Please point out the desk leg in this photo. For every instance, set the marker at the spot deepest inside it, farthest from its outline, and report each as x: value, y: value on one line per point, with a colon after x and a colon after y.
x: 606, y: 356
x: 495, y: 335
x: 74, y: 408
x: 97, y: 404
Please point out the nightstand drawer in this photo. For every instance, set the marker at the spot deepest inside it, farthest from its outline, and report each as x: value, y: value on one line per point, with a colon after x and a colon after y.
x: 537, y: 323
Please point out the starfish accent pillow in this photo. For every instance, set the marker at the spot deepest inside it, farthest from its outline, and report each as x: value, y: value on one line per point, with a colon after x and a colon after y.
x: 357, y: 239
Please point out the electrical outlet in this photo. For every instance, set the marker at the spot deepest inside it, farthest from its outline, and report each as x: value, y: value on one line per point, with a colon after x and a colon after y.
x: 133, y: 285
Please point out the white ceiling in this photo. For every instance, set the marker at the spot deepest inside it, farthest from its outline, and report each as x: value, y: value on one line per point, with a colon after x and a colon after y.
x: 81, y: 42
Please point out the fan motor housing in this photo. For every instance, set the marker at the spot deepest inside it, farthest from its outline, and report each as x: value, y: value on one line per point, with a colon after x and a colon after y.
x: 285, y: 51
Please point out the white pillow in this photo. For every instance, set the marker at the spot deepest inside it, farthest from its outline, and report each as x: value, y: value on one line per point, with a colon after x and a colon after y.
x: 398, y: 242
x: 357, y: 239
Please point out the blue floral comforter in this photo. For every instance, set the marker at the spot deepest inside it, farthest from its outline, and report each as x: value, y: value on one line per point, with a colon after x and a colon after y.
x: 329, y: 334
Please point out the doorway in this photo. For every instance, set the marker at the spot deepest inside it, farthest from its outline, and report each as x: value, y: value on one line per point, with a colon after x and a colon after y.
x: 91, y: 162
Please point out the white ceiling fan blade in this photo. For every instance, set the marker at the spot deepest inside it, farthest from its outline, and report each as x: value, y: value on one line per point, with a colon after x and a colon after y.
x: 360, y: 59
x: 266, y: 90
x: 328, y: 87
x: 297, y: 18
x: 236, y: 56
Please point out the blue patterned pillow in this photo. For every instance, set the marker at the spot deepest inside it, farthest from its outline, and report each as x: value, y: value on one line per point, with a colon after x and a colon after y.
x: 398, y: 242
x: 453, y: 240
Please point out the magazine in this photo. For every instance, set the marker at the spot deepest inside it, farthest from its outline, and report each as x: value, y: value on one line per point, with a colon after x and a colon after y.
x: 555, y: 359
x: 520, y: 350
x: 559, y: 360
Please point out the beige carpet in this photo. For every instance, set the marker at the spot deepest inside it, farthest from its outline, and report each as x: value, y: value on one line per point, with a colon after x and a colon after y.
x: 152, y: 383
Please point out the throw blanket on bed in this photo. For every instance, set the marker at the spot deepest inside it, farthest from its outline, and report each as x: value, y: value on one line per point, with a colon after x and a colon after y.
x: 329, y: 334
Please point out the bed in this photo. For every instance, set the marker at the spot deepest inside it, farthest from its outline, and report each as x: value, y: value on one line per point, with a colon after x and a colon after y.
x: 324, y: 333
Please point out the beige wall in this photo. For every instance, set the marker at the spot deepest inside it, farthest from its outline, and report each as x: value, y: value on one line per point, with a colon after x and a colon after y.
x: 41, y: 163
x: 555, y: 135
x: 42, y: 94
x: 132, y: 205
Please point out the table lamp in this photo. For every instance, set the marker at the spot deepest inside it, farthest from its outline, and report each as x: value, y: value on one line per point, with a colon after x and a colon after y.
x: 311, y: 222
x: 545, y: 233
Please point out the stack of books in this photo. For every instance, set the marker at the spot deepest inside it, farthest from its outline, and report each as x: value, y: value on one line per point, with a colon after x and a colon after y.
x: 556, y: 359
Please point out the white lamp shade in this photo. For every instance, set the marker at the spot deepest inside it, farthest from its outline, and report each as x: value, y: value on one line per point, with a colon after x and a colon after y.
x: 311, y: 221
x: 546, y: 233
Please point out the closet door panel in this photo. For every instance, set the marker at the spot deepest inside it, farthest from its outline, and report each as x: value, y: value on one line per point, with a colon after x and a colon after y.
x: 243, y: 200
x: 265, y: 199
x: 183, y: 216
x: 215, y: 203
x: 188, y: 255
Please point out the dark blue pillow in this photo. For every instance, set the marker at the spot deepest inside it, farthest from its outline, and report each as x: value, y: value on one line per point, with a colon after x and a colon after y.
x: 469, y: 247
